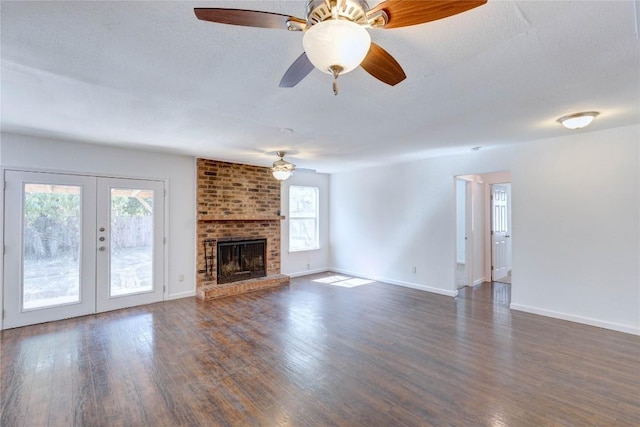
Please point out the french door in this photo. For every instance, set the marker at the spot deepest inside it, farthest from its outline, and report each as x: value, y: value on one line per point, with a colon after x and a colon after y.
x: 77, y: 245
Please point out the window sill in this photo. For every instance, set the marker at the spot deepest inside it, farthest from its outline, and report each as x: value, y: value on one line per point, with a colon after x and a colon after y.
x: 303, y: 250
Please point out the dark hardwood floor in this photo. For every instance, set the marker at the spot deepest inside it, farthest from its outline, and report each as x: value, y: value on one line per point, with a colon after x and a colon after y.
x: 313, y: 354
x: 496, y: 292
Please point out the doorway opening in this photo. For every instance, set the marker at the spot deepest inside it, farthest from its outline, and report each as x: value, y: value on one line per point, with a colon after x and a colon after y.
x: 483, y: 229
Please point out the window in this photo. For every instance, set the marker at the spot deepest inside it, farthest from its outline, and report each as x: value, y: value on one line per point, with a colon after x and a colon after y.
x: 303, y: 218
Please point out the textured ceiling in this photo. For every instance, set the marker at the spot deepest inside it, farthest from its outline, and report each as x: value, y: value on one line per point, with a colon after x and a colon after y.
x: 150, y: 75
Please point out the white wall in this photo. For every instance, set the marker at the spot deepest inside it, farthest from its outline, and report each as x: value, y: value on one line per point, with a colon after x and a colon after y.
x: 576, y: 215
x: 178, y: 172
x: 576, y: 227
x: 306, y: 262
x: 385, y: 221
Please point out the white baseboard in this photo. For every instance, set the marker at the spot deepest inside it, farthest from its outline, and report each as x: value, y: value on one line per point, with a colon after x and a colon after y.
x: 479, y: 281
x: 449, y: 293
x: 181, y: 295
x: 307, y: 272
x: 578, y: 319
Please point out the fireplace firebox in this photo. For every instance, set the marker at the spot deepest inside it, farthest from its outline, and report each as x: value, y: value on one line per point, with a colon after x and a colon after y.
x: 241, y: 260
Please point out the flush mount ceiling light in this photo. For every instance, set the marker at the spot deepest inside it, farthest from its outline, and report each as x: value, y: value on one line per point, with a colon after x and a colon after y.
x: 578, y: 120
x: 336, y: 37
x: 282, y: 169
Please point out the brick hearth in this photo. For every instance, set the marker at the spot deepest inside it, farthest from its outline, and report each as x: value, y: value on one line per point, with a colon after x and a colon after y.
x: 237, y: 201
x: 235, y: 288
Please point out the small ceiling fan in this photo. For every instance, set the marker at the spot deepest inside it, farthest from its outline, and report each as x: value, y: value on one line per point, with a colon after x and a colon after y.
x: 336, y: 39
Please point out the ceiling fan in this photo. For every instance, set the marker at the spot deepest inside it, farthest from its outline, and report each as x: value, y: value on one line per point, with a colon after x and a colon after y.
x: 336, y: 39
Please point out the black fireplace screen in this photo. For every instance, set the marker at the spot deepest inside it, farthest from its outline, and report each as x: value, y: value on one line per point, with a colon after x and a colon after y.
x: 241, y: 260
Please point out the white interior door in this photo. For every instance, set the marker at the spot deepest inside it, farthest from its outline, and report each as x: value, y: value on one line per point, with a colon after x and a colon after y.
x: 130, y: 221
x: 500, y: 234
x: 77, y: 245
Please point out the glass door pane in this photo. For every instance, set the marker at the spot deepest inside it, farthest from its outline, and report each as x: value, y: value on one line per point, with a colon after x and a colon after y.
x: 131, y: 238
x: 51, y: 235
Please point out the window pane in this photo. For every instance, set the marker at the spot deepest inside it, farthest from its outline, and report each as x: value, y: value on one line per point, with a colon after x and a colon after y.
x: 303, y: 202
x: 131, y: 241
x: 51, y: 245
x: 303, y: 218
x: 303, y: 234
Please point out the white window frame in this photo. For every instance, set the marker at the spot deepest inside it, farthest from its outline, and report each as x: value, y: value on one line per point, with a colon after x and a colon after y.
x: 315, y: 218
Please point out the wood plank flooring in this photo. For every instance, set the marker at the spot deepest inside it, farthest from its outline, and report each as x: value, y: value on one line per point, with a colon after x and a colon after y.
x: 313, y: 354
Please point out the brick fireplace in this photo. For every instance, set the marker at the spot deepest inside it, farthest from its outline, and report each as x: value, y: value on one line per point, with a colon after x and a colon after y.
x: 236, y: 203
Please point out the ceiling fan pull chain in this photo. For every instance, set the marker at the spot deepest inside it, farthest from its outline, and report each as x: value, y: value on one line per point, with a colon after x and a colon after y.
x: 335, y: 70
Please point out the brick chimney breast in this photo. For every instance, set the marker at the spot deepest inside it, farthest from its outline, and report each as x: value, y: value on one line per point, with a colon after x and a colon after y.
x: 236, y: 201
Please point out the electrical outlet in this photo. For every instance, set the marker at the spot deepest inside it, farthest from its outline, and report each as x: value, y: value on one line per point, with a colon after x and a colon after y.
x: 308, y: 266
x: 413, y: 270
x: 181, y: 278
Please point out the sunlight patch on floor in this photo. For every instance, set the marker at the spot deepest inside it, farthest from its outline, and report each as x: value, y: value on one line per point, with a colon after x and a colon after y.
x: 343, y: 281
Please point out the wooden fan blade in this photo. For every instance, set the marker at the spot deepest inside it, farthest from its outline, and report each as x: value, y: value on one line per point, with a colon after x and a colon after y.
x: 300, y: 68
x: 246, y: 18
x: 402, y: 13
x: 381, y: 65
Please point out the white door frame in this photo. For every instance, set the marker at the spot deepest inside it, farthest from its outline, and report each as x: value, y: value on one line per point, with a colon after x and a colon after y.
x: 470, y: 232
x: 469, y: 229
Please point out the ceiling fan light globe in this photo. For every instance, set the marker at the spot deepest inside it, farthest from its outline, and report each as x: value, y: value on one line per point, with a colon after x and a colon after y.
x: 281, y: 174
x: 282, y: 169
x: 336, y: 42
